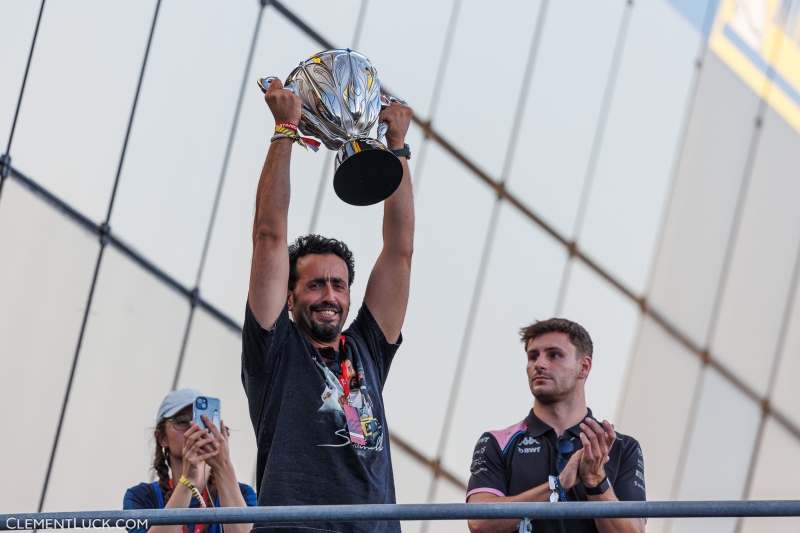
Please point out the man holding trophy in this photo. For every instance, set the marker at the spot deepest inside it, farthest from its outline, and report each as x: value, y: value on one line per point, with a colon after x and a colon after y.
x: 314, y: 391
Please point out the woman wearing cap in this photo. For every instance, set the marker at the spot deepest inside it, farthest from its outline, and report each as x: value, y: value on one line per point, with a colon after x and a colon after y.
x: 193, y: 466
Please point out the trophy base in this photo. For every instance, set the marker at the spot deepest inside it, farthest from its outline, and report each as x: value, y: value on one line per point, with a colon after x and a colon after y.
x: 366, y: 172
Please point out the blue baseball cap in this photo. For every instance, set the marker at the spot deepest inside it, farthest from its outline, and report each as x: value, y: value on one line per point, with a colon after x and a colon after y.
x: 175, y: 401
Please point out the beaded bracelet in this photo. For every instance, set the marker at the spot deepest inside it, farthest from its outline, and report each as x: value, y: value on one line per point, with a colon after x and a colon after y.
x: 189, y: 485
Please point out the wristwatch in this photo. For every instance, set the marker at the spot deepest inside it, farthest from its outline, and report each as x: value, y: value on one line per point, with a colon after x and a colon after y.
x: 599, y: 489
x: 405, y: 151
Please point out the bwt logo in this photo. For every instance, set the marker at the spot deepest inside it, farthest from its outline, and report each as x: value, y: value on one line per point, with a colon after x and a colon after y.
x: 527, y: 441
x: 529, y: 450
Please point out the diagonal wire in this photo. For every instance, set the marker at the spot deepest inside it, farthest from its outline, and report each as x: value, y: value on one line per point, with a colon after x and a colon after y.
x: 229, y: 148
x: 133, y: 113
x: 21, y: 93
x: 594, y: 153
x: 483, y: 268
x: 104, y: 230
x: 25, y: 78
x: 215, y: 208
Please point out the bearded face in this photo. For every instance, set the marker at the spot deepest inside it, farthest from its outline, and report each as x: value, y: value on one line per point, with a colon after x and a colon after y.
x: 321, y: 299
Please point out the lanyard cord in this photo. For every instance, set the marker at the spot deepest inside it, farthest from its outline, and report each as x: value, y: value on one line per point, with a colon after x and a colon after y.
x: 327, y: 373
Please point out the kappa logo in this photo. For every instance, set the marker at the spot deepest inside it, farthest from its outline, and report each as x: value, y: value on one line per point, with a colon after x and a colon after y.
x: 527, y: 441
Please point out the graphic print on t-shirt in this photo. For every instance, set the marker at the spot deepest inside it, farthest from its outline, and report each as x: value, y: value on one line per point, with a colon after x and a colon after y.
x: 334, y: 399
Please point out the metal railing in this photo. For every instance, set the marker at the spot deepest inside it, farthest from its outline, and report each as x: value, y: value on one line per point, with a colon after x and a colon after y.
x: 453, y: 511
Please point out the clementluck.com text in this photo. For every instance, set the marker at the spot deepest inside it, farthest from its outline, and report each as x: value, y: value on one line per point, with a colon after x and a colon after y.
x: 61, y: 523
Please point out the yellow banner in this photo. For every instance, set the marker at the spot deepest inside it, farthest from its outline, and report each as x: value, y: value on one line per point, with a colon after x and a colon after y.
x: 760, y: 41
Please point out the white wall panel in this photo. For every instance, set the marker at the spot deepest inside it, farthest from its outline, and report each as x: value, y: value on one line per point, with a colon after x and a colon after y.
x: 709, y: 470
x: 452, y: 213
x: 45, y: 276
x: 701, y: 213
x: 79, y: 96
x: 226, y: 275
x: 763, y: 261
x: 563, y: 107
x: 335, y: 21
x: 520, y: 286
x: 640, y: 141
x: 125, y: 367
x: 483, y: 80
x: 773, y: 478
x: 446, y: 492
x: 15, y: 42
x: 407, y: 66
x: 611, y: 319
x: 412, y: 482
x: 212, y: 364
x: 661, y: 385
x: 181, y: 129
x: 784, y: 393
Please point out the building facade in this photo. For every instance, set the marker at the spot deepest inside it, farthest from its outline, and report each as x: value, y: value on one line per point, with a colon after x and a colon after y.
x: 630, y: 164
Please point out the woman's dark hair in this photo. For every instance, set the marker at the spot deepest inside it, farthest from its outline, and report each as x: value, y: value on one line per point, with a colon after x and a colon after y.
x: 317, y: 244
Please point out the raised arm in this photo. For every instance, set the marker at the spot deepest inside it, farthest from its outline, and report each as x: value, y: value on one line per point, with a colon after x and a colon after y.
x: 388, y: 285
x: 269, y: 271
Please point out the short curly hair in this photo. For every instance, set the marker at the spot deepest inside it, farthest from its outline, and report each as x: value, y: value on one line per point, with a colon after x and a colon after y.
x: 317, y: 244
x: 578, y: 336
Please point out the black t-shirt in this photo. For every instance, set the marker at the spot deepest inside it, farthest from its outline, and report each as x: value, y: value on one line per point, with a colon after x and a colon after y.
x: 305, y: 456
x: 512, y: 460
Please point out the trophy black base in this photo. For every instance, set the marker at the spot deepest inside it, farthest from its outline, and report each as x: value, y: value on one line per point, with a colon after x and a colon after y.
x: 366, y: 172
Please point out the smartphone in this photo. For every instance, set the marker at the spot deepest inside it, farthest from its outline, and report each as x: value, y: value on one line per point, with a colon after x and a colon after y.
x: 206, y: 405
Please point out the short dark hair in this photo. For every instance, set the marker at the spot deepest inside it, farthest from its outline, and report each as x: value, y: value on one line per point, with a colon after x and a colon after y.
x: 317, y: 244
x: 578, y: 336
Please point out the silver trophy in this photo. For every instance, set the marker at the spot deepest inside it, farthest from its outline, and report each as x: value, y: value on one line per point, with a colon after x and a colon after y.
x: 341, y: 98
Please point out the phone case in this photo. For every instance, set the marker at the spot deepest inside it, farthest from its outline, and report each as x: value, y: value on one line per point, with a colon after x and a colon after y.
x: 211, y: 407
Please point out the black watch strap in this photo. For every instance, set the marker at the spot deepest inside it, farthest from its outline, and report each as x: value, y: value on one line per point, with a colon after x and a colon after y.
x: 599, y: 489
x: 405, y: 151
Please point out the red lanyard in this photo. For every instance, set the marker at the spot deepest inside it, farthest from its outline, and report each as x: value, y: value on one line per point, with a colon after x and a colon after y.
x: 343, y: 380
